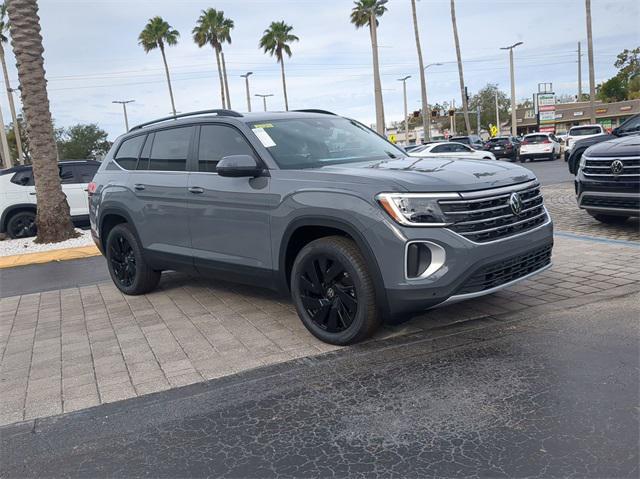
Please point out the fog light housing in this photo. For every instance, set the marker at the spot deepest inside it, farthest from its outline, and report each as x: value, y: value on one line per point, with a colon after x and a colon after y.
x: 422, y: 259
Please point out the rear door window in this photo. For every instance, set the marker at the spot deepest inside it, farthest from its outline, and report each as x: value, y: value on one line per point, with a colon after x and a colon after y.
x: 218, y: 141
x: 23, y: 178
x: 170, y: 149
x: 127, y: 155
x: 67, y: 175
x: 86, y: 172
x: 441, y: 149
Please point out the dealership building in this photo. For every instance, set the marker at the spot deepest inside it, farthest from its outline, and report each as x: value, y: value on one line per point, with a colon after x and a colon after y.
x: 609, y: 115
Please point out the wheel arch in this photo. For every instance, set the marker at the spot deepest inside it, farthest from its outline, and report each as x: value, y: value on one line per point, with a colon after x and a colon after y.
x: 11, y: 210
x: 110, y: 217
x: 303, y: 230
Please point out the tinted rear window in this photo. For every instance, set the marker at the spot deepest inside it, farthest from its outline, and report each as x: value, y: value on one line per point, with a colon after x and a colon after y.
x: 23, y: 178
x: 536, y: 138
x: 585, y: 130
x: 86, y: 172
x: 498, y: 141
x: 170, y: 149
x: 127, y: 155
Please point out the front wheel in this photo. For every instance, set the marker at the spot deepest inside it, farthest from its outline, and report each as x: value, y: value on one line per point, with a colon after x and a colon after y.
x: 22, y: 225
x: 333, y: 291
x: 127, y: 266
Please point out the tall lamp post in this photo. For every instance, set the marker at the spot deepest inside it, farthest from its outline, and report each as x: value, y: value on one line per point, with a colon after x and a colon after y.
x: 264, y: 99
x: 246, y: 84
x: 427, y: 133
x: 514, y: 125
x: 377, y: 85
x: 406, y: 120
x: 124, y: 110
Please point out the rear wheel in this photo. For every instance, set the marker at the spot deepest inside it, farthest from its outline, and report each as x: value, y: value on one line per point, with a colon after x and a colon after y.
x: 127, y: 266
x: 609, y: 219
x: 333, y: 291
x: 22, y: 224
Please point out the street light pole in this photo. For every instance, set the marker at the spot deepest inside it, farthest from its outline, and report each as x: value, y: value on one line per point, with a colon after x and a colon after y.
x: 377, y: 85
x: 406, y: 120
x: 264, y: 99
x: 579, y: 71
x: 497, y: 114
x: 427, y: 133
x: 514, y: 126
x: 246, y: 83
x: 124, y: 109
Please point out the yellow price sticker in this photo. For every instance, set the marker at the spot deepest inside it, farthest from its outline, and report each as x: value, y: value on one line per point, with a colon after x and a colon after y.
x: 263, y: 125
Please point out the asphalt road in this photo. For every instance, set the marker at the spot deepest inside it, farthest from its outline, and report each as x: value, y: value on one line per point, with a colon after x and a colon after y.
x: 553, y: 395
x: 549, y: 172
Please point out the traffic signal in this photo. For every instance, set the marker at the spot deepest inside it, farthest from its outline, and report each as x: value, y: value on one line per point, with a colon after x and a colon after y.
x: 416, y: 113
x: 452, y: 112
x: 434, y: 113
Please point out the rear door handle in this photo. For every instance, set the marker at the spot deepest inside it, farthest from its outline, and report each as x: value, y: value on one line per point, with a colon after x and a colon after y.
x: 138, y: 187
x: 32, y: 193
x: 196, y: 190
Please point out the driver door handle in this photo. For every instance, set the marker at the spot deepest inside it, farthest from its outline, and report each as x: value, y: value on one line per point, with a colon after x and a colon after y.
x: 196, y: 190
x: 138, y: 187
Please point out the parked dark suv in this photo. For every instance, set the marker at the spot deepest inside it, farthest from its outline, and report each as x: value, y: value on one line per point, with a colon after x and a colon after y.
x: 317, y: 206
x: 503, y: 147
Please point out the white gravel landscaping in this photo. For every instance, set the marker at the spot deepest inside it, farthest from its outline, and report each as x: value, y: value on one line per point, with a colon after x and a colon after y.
x: 10, y: 247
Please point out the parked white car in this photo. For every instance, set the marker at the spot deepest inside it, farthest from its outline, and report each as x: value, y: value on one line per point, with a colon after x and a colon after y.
x: 452, y: 149
x: 18, y: 196
x: 539, y: 145
x: 580, y: 133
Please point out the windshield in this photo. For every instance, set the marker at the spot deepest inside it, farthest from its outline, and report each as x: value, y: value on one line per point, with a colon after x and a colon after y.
x: 585, y: 130
x: 313, y: 142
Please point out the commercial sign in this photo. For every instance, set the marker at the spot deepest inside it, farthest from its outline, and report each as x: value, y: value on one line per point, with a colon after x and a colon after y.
x: 547, y: 129
x: 546, y: 110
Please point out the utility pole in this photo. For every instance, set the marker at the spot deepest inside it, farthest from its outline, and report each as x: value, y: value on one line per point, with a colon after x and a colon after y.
x: 478, y: 118
x: 406, y: 119
x: 579, y: 71
x: 497, y: 114
x: 12, y: 107
x: 465, y: 106
x: 514, y: 124
x: 124, y: 109
x: 377, y: 85
x: 427, y: 131
x: 426, y: 113
x: 592, y: 75
x: 6, y: 156
x: 246, y: 83
x: 264, y: 99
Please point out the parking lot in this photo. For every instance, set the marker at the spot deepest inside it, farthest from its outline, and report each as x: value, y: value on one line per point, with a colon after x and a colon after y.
x: 78, y: 347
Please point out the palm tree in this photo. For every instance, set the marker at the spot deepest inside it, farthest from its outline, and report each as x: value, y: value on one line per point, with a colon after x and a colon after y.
x: 53, y: 220
x: 4, y: 30
x: 156, y: 34
x: 426, y: 114
x: 225, y: 37
x: 366, y: 12
x: 209, y: 30
x: 465, y: 106
x: 275, y: 41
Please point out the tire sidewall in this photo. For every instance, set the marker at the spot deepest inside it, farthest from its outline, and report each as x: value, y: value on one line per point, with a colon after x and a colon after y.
x: 13, y: 218
x: 125, y: 230
x: 308, y: 252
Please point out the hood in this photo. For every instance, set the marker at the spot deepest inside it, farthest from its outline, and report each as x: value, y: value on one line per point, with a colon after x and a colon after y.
x: 437, y: 174
x: 624, y: 146
x: 592, y: 140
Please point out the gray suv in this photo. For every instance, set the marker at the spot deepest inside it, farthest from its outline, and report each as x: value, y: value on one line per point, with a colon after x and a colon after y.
x: 316, y: 206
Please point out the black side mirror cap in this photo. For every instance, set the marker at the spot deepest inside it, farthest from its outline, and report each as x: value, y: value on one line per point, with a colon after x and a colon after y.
x: 239, y: 166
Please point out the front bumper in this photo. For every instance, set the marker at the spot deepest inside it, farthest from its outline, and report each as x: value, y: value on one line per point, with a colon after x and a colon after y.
x: 470, y: 269
x: 608, y: 197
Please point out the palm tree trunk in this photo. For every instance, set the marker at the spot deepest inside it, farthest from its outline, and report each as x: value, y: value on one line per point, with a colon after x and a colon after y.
x: 222, y: 93
x: 465, y: 107
x: 226, y: 82
x: 166, y: 70
x: 377, y: 85
x: 53, y: 219
x: 426, y: 114
x: 284, y: 84
x: 12, y: 107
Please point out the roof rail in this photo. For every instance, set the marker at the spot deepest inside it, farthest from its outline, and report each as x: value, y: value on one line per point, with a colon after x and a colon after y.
x: 315, y: 110
x: 219, y: 112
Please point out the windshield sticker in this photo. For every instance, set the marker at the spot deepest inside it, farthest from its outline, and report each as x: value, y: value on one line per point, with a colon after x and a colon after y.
x: 264, y: 137
x: 263, y: 125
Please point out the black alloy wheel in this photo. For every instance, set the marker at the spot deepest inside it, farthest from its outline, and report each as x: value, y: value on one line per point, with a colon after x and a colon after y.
x: 123, y: 260
x: 327, y: 293
x: 22, y: 225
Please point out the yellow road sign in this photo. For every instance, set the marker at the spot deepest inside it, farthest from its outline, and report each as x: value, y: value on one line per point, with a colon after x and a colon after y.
x: 393, y: 139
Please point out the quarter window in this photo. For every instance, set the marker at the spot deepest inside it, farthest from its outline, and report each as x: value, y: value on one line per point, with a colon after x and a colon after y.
x: 67, y: 175
x: 127, y: 155
x: 170, y: 149
x: 86, y: 172
x: 218, y: 141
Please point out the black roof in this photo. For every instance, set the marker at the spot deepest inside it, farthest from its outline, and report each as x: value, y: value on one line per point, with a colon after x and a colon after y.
x: 16, y: 169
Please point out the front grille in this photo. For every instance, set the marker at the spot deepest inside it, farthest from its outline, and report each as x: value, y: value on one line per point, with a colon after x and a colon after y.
x: 611, y: 202
x: 601, y: 169
x: 490, y: 217
x: 508, y: 270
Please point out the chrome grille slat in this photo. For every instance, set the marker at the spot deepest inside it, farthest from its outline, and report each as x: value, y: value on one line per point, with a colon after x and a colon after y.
x: 489, y: 218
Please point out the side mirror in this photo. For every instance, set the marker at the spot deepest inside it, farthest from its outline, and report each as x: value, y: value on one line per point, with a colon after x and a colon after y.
x: 239, y: 166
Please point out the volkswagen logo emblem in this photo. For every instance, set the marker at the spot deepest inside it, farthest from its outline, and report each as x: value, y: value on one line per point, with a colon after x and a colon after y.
x: 617, y: 167
x: 515, y: 202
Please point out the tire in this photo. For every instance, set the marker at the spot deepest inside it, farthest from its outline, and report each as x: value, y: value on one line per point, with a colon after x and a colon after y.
x: 128, y: 269
x: 22, y: 225
x: 332, y: 274
x: 609, y: 219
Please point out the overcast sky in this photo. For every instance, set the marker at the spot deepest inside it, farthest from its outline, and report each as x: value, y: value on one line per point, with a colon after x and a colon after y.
x: 92, y: 56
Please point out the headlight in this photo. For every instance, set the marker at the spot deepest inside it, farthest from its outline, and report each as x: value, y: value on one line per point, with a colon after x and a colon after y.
x: 415, y: 209
x: 583, y: 161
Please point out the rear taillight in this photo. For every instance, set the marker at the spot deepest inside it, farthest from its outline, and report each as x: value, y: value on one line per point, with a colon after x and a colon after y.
x: 546, y: 141
x: 91, y: 188
x: 525, y: 142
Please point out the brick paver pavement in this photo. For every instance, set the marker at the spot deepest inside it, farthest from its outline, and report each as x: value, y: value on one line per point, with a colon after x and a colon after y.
x: 71, y: 349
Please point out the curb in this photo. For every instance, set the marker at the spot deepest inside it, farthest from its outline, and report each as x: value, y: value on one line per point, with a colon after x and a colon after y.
x: 48, y: 256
